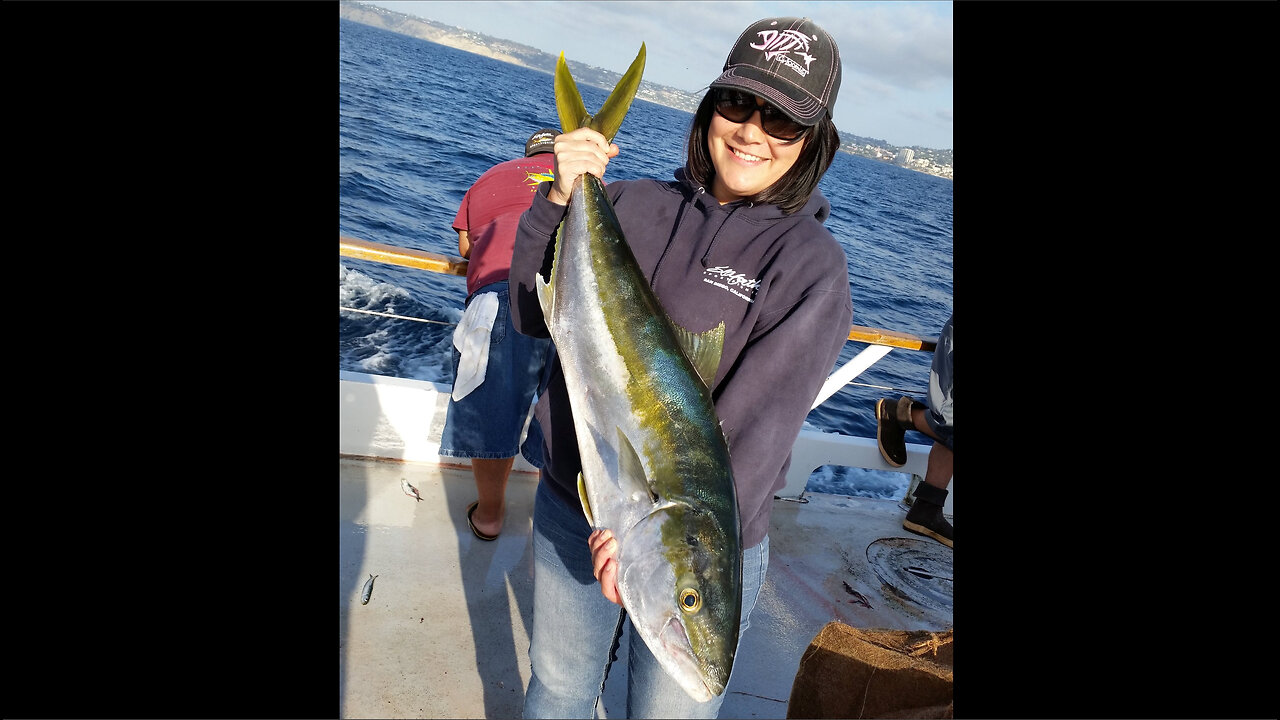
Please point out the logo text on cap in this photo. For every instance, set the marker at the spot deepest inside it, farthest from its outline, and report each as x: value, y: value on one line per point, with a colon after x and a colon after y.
x: 776, y: 45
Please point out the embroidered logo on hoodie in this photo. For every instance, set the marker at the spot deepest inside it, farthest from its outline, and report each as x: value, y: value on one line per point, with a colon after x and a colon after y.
x: 726, y: 278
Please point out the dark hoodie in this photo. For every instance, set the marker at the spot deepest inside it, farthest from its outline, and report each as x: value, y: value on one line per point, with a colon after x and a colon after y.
x: 779, y: 282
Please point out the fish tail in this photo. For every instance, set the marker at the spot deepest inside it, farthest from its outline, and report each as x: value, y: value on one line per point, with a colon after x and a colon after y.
x: 573, y: 112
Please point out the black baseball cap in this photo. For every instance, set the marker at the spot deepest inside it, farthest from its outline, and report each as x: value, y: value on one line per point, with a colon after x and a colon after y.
x: 791, y: 62
x: 543, y: 141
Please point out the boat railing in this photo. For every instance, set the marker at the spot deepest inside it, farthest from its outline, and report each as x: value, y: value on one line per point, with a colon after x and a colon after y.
x: 817, y: 448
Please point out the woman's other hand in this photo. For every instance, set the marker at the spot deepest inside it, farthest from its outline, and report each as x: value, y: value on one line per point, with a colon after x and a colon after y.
x: 603, y: 548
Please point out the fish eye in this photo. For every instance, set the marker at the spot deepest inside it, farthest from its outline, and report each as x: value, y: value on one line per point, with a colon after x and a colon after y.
x: 690, y: 600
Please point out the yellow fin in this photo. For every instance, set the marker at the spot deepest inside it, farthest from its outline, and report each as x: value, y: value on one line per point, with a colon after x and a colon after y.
x: 703, y: 349
x: 573, y: 112
x: 569, y: 105
x: 586, y: 504
x: 609, y: 118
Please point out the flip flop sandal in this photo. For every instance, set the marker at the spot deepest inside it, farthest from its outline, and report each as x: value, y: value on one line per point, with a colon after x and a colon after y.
x: 470, y: 511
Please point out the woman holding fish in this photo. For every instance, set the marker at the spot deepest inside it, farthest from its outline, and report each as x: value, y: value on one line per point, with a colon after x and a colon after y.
x: 687, y: 355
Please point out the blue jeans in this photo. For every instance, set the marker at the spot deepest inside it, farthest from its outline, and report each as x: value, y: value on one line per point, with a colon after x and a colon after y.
x: 576, y: 630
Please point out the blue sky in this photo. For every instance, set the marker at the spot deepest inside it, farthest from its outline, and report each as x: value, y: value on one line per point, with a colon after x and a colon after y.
x: 896, y: 56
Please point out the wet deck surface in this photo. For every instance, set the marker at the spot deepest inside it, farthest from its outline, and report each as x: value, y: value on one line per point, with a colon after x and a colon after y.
x: 444, y: 634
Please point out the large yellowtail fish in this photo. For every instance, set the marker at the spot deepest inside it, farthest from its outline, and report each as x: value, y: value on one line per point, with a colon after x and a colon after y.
x: 655, y: 464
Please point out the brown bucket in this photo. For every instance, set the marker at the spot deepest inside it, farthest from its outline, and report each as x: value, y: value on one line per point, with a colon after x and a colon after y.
x: 852, y: 673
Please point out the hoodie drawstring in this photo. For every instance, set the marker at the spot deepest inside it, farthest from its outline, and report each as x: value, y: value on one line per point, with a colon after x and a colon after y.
x: 712, y: 244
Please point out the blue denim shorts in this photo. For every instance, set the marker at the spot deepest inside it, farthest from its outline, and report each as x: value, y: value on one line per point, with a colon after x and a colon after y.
x: 487, y: 422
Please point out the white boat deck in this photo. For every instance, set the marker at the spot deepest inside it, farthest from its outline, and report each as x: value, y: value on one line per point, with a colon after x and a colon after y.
x: 445, y: 633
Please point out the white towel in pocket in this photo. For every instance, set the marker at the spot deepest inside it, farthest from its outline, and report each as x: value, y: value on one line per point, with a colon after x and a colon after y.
x: 471, y: 337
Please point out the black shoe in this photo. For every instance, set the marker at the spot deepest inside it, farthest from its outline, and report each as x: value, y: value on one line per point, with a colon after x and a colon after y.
x: 925, y: 518
x: 890, y: 436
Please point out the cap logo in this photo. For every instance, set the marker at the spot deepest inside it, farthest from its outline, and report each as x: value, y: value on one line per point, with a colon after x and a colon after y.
x: 776, y: 46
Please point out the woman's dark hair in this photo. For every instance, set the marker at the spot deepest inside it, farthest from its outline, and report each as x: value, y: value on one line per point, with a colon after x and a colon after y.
x: 791, y: 191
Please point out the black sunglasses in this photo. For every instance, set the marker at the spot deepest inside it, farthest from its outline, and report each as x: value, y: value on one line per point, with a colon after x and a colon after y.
x: 737, y: 107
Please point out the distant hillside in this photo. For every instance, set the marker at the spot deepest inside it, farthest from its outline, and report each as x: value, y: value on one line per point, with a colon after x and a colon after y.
x: 934, y: 162
x: 507, y: 51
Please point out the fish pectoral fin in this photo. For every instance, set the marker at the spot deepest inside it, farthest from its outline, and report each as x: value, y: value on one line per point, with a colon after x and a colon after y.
x: 546, y: 297
x: 547, y: 288
x: 632, y: 479
x: 703, y: 349
x: 586, y: 504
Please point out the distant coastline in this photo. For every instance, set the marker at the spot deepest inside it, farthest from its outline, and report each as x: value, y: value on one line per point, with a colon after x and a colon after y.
x: 927, y: 160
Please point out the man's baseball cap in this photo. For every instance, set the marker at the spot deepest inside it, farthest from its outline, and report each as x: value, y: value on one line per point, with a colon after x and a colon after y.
x: 791, y: 62
x: 543, y: 141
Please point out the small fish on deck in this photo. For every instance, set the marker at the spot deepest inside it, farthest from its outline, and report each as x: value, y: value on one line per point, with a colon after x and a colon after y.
x: 858, y: 598
x: 368, y: 590
x: 410, y: 490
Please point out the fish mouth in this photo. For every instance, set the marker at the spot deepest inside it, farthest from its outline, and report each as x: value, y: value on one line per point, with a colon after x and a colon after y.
x: 680, y: 654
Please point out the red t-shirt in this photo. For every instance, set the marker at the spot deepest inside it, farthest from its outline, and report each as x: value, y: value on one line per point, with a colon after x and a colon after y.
x: 490, y: 213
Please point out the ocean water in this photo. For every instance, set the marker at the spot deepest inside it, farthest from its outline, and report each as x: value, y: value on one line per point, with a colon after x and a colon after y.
x: 419, y: 122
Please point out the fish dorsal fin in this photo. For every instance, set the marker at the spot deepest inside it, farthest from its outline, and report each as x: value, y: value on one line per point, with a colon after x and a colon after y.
x: 703, y: 349
x: 582, y: 497
x: 573, y: 112
x: 632, y: 479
